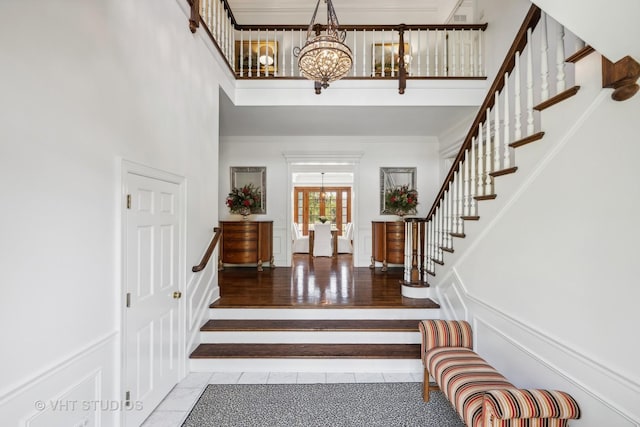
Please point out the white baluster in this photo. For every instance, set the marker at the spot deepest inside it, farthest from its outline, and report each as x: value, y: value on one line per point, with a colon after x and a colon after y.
x: 472, y: 194
x: 373, y: 59
x: 560, y: 74
x: 266, y: 54
x: 382, y: 52
x: 450, y: 210
x: 364, y: 53
x: 530, y: 127
x: 455, y: 53
x: 445, y: 54
x: 488, y: 152
x: 460, y: 181
x: 467, y: 184
x: 544, y: 59
x: 355, y: 52
x: 472, y: 54
x: 293, y: 72
x: 419, y: 52
x: 517, y: 132
x: 454, y: 205
x: 496, y: 134
x: 480, y: 64
x: 480, y: 161
x: 428, y: 55
x: 435, y: 58
x: 464, y: 47
x: 505, y: 137
x: 240, y: 63
x: 249, y: 71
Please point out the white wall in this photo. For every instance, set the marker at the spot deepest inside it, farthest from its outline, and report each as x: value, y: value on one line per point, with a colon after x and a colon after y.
x: 421, y: 153
x: 611, y: 27
x: 85, y: 85
x: 548, y: 277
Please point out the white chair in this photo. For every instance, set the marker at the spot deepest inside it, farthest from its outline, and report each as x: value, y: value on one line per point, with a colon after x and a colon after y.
x: 300, y: 242
x: 345, y: 245
x: 322, y: 240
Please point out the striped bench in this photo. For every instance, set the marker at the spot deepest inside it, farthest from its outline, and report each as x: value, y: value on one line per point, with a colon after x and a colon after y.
x: 479, y: 393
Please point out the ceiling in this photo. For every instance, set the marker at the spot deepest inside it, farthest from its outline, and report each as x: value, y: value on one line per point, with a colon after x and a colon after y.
x: 338, y: 120
x: 344, y: 120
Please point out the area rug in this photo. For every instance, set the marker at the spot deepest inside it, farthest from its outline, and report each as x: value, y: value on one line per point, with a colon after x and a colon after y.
x: 320, y: 405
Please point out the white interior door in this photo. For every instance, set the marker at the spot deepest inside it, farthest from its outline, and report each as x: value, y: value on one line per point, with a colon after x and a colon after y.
x: 151, y: 319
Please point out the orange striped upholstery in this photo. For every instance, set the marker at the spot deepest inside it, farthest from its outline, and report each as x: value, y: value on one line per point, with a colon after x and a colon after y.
x: 464, y: 377
x: 445, y: 333
x: 480, y: 394
x: 529, y: 408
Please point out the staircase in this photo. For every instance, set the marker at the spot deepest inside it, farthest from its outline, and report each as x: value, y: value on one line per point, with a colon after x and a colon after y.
x: 311, y: 340
x: 536, y: 75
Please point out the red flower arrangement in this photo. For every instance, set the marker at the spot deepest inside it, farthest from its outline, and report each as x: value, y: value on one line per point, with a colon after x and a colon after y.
x: 401, y: 200
x: 244, y: 200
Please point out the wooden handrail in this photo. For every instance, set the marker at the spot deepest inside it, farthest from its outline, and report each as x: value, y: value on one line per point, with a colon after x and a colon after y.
x: 519, y: 43
x: 209, y: 252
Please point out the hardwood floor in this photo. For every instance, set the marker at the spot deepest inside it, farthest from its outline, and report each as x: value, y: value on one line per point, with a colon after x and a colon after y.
x: 315, y: 283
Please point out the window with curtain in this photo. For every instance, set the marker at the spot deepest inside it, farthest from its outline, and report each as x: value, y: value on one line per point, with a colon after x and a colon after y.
x: 309, y: 206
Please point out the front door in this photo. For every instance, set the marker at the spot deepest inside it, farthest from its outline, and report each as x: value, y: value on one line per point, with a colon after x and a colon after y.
x: 151, y: 314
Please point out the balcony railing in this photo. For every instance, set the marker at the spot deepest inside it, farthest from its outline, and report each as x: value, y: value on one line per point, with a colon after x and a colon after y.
x: 267, y: 51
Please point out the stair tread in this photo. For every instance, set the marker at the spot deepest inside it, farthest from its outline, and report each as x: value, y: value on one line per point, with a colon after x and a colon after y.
x: 311, y: 325
x: 310, y: 351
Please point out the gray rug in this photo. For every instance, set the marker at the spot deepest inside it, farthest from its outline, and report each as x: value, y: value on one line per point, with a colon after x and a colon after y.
x: 315, y: 405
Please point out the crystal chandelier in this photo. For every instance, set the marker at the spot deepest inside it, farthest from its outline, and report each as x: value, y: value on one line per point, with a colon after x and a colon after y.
x: 324, y: 58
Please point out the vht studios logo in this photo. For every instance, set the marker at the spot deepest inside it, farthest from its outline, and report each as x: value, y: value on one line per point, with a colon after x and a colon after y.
x: 87, y: 405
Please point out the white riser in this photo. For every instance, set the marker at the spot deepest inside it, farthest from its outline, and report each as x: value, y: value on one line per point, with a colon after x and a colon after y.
x: 311, y: 337
x: 306, y: 365
x: 324, y: 314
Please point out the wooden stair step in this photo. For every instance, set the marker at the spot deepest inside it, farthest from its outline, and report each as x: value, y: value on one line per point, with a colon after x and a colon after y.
x: 307, y: 351
x: 557, y: 99
x: 365, y: 325
x: 527, y: 140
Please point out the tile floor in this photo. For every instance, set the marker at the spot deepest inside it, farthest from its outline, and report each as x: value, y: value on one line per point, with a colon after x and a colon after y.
x: 173, y: 410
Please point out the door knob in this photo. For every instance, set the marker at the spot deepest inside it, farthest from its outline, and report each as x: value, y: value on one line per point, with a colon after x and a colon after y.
x: 177, y: 295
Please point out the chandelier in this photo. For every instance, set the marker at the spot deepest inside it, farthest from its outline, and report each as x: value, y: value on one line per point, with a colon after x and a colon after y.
x: 324, y: 58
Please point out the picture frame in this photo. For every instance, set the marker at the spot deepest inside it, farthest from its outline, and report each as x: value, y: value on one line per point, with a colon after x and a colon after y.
x: 253, y: 56
x: 394, y: 177
x: 254, y: 175
x: 389, y: 53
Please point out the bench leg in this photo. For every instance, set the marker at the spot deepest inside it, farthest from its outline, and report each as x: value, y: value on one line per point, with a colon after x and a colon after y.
x: 425, y: 386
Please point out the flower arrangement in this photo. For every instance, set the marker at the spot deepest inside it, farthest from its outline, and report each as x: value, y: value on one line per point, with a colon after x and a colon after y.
x: 322, y: 219
x: 245, y: 200
x: 401, y: 200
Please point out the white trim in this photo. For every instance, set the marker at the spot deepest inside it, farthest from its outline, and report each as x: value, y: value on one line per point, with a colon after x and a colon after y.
x: 546, y: 363
x: 53, y: 369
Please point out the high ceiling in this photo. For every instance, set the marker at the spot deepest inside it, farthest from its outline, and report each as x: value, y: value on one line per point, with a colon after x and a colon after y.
x: 344, y: 120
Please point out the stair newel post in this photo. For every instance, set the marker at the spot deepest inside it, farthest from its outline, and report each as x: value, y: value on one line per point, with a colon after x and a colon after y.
x: 544, y: 59
x: 517, y: 131
x: 506, y: 163
x: 560, y: 60
x: 481, y: 155
x: 412, y: 232
x: 530, y: 127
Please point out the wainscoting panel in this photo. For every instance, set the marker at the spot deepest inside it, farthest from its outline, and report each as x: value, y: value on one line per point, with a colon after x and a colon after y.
x: 531, y: 359
x: 80, y: 391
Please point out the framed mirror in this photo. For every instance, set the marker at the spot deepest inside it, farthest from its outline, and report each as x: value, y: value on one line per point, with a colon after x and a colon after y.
x: 394, y: 178
x: 256, y: 176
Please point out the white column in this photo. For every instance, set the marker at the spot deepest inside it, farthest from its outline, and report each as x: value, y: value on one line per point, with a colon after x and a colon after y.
x: 517, y: 131
x: 506, y: 163
x: 560, y: 74
x: 544, y: 59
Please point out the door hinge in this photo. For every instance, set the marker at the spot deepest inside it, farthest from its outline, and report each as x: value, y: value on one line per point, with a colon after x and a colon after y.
x: 128, y: 201
x: 127, y: 399
x: 128, y: 299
